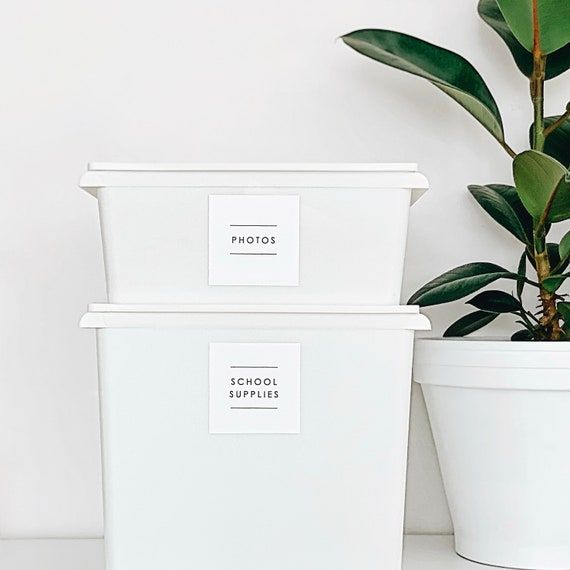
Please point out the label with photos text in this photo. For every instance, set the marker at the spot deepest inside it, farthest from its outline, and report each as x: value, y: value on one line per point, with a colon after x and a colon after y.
x: 253, y: 240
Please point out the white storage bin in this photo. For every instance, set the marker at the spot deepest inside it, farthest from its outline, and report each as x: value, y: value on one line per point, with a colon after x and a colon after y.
x: 310, y: 478
x: 289, y: 233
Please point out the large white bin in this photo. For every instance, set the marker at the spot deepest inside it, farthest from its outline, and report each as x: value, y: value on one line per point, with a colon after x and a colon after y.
x: 285, y: 233
x: 328, y: 495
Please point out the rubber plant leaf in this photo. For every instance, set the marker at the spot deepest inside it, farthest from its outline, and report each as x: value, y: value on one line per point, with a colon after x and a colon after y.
x: 458, y: 283
x: 495, y: 301
x: 564, y: 247
x: 557, y: 62
x: 510, y: 194
x: 542, y: 184
x: 557, y: 262
x: 564, y: 310
x: 557, y: 143
x: 552, y: 16
x: 470, y: 323
x: 521, y: 274
x: 522, y: 335
x: 552, y: 283
x: 445, y: 69
x: 497, y: 206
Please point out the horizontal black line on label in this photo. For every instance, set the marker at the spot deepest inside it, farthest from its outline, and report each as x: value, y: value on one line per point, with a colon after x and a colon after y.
x: 252, y: 408
x: 254, y: 366
x: 253, y: 225
x: 236, y: 253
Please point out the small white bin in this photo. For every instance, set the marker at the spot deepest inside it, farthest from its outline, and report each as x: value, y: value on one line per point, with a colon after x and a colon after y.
x: 289, y: 233
x: 310, y: 478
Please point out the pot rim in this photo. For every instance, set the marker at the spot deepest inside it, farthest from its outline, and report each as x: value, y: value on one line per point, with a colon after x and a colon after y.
x: 492, y: 363
x: 498, y: 343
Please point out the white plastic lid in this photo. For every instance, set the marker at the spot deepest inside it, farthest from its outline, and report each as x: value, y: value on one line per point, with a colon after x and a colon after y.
x: 254, y: 167
x: 287, y: 316
x: 255, y: 175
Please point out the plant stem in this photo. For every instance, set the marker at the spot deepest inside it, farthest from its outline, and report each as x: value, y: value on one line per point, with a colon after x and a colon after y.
x: 560, y: 121
x: 533, y: 283
x: 529, y: 314
x: 509, y: 150
x: 549, y: 320
x: 524, y: 317
x: 537, y: 95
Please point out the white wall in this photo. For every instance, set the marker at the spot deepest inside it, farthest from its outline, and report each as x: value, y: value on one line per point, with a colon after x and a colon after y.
x: 193, y: 80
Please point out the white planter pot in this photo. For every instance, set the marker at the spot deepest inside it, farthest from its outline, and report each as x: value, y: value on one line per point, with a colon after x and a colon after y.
x: 500, y: 414
x: 325, y: 493
x: 282, y: 233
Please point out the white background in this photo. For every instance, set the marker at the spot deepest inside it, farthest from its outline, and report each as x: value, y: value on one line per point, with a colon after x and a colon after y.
x: 190, y: 80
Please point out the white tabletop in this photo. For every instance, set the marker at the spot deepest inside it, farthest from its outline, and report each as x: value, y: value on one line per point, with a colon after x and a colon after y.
x: 420, y: 553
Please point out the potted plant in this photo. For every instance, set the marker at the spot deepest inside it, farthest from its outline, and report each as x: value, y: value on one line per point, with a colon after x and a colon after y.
x: 500, y: 410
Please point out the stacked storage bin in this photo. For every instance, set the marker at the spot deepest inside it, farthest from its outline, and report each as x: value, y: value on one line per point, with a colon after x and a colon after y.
x: 254, y: 364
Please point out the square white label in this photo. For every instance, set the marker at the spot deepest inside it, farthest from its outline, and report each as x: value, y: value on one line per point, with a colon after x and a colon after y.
x: 255, y: 387
x: 253, y: 240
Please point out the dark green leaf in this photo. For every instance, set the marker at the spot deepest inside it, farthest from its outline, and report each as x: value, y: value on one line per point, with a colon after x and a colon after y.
x: 560, y: 209
x: 470, y: 323
x: 555, y: 259
x: 557, y: 143
x: 458, y: 283
x: 495, y: 301
x: 494, y: 203
x: 525, y: 324
x: 564, y: 247
x: 541, y: 182
x: 553, y: 255
x: 564, y: 310
x: 522, y: 335
x: 448, y: 71
x: 553, y: 18
x: 552, y: 283
x: 556, y: 63
x: 521, y: 274
x: 510, y: 194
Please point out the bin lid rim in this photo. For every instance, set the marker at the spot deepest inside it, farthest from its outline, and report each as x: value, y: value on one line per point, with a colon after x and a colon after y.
x: 101, y: 316
x: 254, y: 167
x: 376, y: 176
x: 250, y: 308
